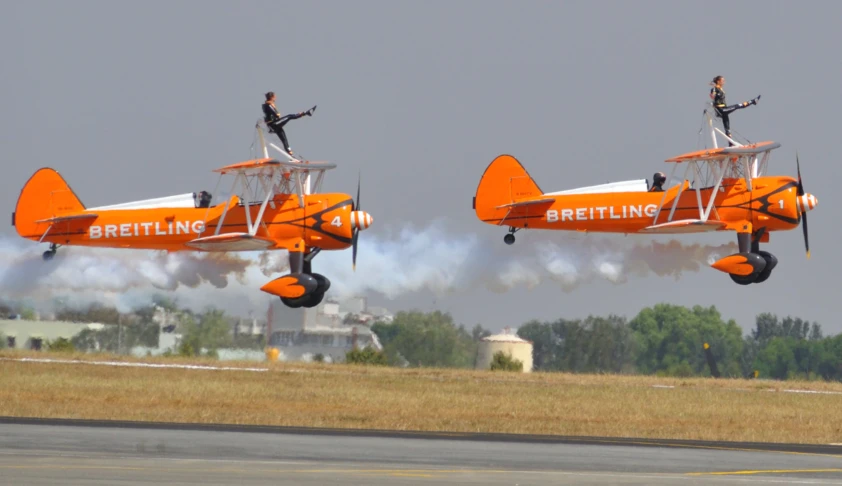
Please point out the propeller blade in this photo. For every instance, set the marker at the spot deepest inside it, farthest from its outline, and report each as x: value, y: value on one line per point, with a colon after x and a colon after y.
x: 806, y: 240
x: 356, y: 235
x: 354, y: 240
x: 357, y: 201
x: 803, y: 215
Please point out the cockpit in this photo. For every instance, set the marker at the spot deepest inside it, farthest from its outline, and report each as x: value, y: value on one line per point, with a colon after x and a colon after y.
x: 658, y: 181
x: 202, y: 199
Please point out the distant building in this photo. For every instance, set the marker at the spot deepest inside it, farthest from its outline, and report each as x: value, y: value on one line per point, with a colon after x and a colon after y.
x: 331, y: 329
x: 168, y: 338
x: 507, y: 342
x: 34, y: 335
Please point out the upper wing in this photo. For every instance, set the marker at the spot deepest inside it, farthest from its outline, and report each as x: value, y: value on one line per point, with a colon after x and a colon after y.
x: 258, y: 165
x: 725, y: 152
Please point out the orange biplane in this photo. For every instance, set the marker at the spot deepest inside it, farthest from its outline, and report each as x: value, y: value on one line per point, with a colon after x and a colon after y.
x: 272, y: 207
x: 728, y: 191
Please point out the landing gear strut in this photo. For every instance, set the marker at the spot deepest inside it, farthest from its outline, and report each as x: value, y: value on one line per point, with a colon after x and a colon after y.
x: 509, y: 239
x: 49, y: 254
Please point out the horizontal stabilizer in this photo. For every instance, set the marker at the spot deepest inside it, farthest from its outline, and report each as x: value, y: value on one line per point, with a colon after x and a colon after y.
x: 685, y: 226
x: 526, y: 203
x: 231, y: 242
x: 70, y: 217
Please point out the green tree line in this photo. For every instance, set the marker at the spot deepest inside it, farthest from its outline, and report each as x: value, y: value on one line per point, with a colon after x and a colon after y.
x: 669, y: 340
x: 666, y: 340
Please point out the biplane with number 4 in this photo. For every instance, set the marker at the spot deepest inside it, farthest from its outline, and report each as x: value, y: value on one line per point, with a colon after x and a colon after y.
x: 274, y: 205
x: 723, y: 189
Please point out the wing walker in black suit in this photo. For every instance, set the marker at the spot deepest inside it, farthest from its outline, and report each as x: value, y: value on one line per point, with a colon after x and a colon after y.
x: 276, y: 122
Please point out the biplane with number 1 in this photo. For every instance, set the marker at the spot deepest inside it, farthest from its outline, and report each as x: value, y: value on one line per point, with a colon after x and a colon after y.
x: 274, y: 205
x: 723, y: 189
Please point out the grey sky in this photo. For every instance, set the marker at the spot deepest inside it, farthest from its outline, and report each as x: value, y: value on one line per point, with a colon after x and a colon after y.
x: 130, y: 100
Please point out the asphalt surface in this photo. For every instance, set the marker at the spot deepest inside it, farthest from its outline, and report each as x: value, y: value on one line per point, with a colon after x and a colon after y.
x: 54, y: 452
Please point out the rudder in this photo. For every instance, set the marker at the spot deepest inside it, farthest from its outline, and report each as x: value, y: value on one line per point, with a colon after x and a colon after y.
x: 505, y: 181
x: 45, y: 195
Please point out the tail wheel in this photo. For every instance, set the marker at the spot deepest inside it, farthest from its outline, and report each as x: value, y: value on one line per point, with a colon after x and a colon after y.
x: 509, y: 239
x: 49, y: 254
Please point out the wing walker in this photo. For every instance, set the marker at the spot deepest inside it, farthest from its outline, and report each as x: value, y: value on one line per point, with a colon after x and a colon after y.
x: 722, y: 189
x: 275, y: 204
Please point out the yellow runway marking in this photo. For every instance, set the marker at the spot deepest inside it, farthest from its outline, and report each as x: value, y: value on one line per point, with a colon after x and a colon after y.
x: 408, y: 475
x: 767, y: 471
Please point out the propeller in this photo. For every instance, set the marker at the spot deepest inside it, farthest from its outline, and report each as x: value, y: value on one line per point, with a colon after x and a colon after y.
x: 360, y: 220
x: 800, y: 192
x: 356, y: 235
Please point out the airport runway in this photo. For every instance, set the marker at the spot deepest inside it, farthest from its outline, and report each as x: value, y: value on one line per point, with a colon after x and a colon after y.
x: 35, y: 453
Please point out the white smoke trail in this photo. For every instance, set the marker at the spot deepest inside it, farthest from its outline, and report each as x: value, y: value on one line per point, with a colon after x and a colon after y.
x: 411, y: 260
x: 126, y: 279
x: 575, y: 263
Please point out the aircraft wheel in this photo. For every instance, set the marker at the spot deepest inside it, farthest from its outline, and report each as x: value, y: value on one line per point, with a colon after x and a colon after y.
x: 771, y: 262
x: 48, y: 255
x: 744, y: 279
x: 322, y: 281
x: 295, y: 303
x: 314, y: 300
x: 509, y: 239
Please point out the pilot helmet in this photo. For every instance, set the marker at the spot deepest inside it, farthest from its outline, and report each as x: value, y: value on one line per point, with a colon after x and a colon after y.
x: 659, y: 178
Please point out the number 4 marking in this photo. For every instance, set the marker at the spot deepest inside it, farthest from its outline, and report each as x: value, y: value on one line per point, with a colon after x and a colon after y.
x: 337, y: 221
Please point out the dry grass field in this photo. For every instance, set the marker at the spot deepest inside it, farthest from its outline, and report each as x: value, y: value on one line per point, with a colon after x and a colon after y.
x: 316, y: 395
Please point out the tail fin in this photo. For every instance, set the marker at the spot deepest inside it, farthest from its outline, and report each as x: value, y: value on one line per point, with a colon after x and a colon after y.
x: 505, y: 181
x: 46, y: 195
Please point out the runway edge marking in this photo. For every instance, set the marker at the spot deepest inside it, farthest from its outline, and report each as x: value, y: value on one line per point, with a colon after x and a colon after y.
x: 807, y: 449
